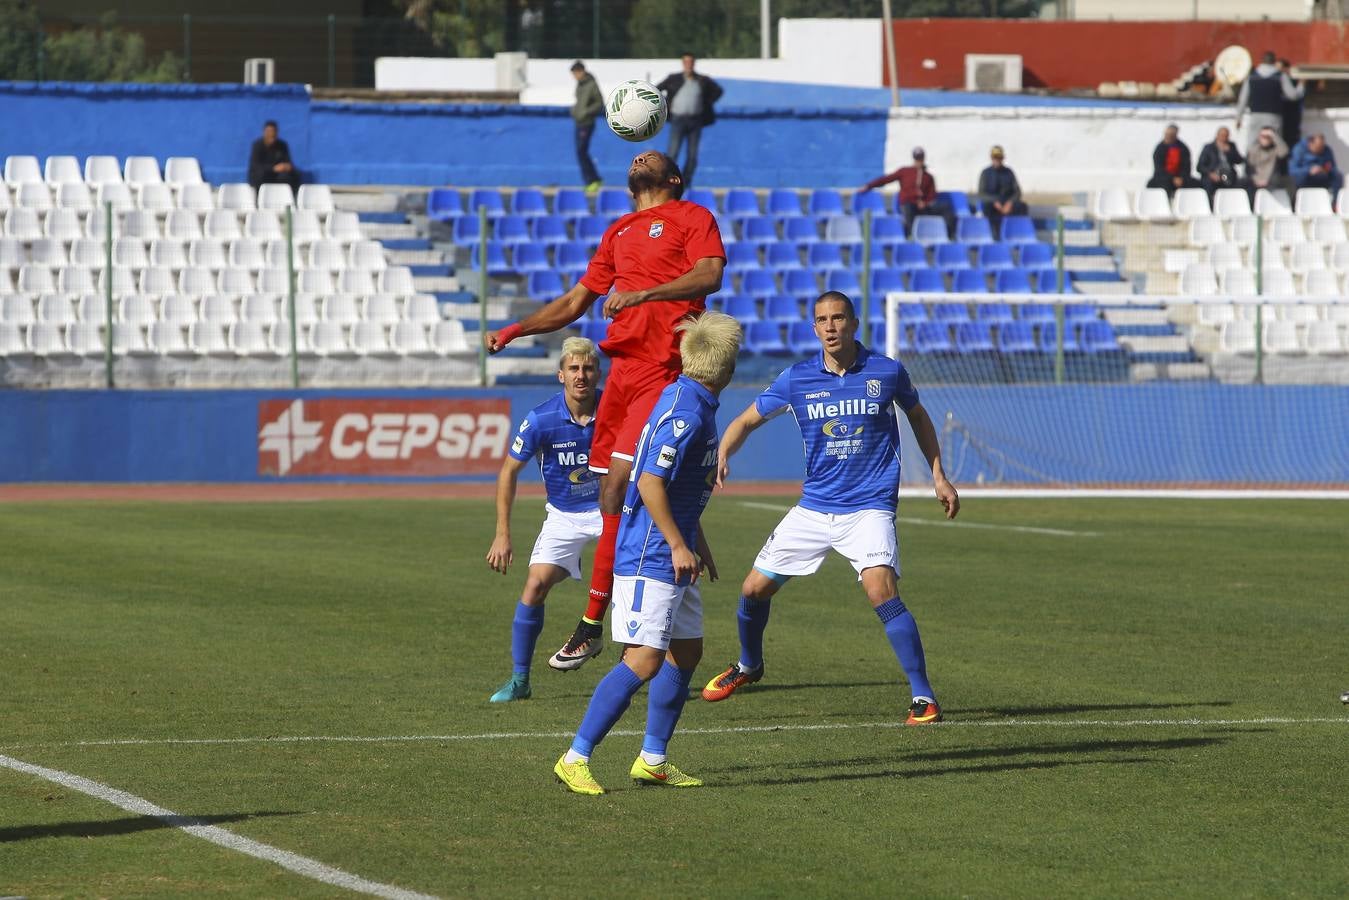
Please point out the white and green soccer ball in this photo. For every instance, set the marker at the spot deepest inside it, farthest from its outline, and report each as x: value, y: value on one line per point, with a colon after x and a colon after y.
x: 635, y: 110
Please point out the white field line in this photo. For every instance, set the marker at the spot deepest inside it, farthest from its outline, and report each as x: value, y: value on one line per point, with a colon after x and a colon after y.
x: 730, y: 729
x: 300, y: 865
x: 943, y: 523
x: 1124, y: 493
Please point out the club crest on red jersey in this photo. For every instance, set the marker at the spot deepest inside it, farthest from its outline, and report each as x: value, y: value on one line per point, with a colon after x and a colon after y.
x: 657, y: 228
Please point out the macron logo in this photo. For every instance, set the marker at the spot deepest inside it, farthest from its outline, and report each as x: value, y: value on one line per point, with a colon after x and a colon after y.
x: 290, y: 436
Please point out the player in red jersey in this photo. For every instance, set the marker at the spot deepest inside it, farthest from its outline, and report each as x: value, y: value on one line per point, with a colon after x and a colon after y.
x: 660, y: 263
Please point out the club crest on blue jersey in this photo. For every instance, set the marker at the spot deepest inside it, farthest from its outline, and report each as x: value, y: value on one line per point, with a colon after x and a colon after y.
x: 657, y: 229
x: 873, y: 387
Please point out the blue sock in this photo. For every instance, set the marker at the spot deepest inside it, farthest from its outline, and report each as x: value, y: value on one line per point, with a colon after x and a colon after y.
x: 669, y: 690
x: 525, y: 630
x: 753, y: 619
x: 902, y: 631
x: 607, y: 705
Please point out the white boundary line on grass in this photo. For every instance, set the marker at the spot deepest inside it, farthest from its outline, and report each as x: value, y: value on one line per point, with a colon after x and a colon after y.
x: 300, y: 865
x: 1140, y: 493
x: 730, y: 729
x: 943, y: 523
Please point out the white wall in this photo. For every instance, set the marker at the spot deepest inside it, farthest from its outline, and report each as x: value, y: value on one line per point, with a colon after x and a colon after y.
x: 817, y: 51
x: 1206, y: 10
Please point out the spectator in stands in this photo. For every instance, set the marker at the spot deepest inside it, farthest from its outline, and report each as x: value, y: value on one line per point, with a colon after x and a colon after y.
x: 589, y: 105
x: 1171, y: 163
x: 917, y: 193
x: 1218, y: 163
x: 1263, y: 94
x: 269, y: 161
x: 999, y: 193
x: 1292, y: 109
x: 1312, y: 164
x: 690, y: 98
x: 1262, y: 162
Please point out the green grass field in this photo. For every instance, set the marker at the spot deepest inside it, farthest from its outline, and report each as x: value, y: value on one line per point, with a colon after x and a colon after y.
x: 1145, y: 707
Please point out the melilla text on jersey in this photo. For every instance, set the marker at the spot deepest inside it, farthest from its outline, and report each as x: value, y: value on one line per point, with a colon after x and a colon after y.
x: 844, y: 437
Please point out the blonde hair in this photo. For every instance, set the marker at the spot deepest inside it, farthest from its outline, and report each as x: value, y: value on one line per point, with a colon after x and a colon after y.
x: 709, y: 345
x: 578, y: 346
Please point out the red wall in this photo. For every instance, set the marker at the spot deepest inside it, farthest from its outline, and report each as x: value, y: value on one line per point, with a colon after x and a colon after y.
x: 1083, y: 54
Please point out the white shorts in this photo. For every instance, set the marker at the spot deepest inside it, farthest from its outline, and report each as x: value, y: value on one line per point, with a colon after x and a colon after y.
x: 563, y: 537
x: 652, y: 613
x: 798, y: 545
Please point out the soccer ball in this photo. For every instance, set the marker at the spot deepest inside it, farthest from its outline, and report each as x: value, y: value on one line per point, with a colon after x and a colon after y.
x: 635, y: 110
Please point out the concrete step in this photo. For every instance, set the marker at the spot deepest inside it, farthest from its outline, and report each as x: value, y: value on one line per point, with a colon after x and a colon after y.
x: 1155, y: 343
x: 412, y: 243
x: 1109, y: 288
x: 1175, y: 371
x: 414, y: 257
x: 380, y: 232
x: 1089, y: 263
x: 362, y: 200
x: 1135, y: 316
x: 384, y: 217
x: 1162, y: 284
x: 436, y: 284
x: 1091, y: 238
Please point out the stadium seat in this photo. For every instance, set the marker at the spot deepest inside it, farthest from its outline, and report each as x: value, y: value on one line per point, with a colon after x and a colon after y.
x: 382, y: 308
x: 844, y: 281
x: 949, y: 313
x: 259, y: 308
x: 543, y: 285
x: 465, y: 231
x: 886, y: 281
x: 47, y: 339
x: 1191, y: 203
x: 74, y: 195
x: 275, y: 196
x: 55, y: 309
x: 218, y: 308
x: 397, y: 280
x: 1224, y: 256
x: 263, y: 225
x: 1237, y: 282
x: 959, y: 201
x: 488, y: 198
x: 75, y: 280
x: 157, y: 197
x: 929, y: 230
x: 35, y: 280
x: 1282, y: 337
x: 758, y: 283
x: 742, y: 257
x: 167, y: 338
x: 970, y: 281
x: 703, y: 197
x: 531, y: 258
x: 613, y: 203
x: 222, y: 225
x: 198, y: 197
x: 932, y: 337
x: 974, y: 337
x: 1298, y: 312
x: 129, y: 252
x: 1272, y: 203
x: 994, y: 257
x: 1231, y: 202
x: 17, y: 309
x: 1112, y: 205
x: 765, y: 338
x: 1321, y: 283
x: 800, y: 283
x: 1018, y: 230
x: 528, y: 202
x: 590, y: 229
x: 1153, y: 205
x: 781, y: 308
x: 780, y: 257
x: 741, y: 203
x: 571, y: 203
x: 911, y: 313
x: 410, y: 339
x: 1206, y: 230
x: 1035, y: 313
x: 825, y: 203
x: 800, y: 230
x: 327, y: 254
x: 548, y: 230
x: 974, y: 230
x: 842, y: 230
x: 1323, y: 339
x: 182, y: 170
x: 33, y: 195
x: 370, y: 339
x: 1098, y: 336
x: 6, y: 198
x: 907, y: 256
x: 85, y: 339
x: 88, y: 252
x: 784, y: 203
x: 248, y: 339
x: 101, y: 170
x: 994, y: 313
x: 1199, y: 280
x: 761, y: 229
x: 1237, y: 337
x: 1080, y: 312
x: 927, y: 281
x: 421, y: 308
x: 141, y: 170
x: 314, y: 281
x: 824, y: 257
x: 1278, y: 283
x: 888, y: 231
x: 328, y: 339
x: 1011, y: 281
x: 91, y: 306
x: 951, y: 257
x: 236, y: 196
x: 22, y: 170
x: 1327, y: 229
x: 511, y: 229
x: 443, y: 205
x: 61, y: 225
x: 142, y: 224
x: 1312, y: 201
x: 576, y: 255
x: 870, y: 200
x: 801, y: 339
x: 349, y: 281
x: 743, y: 309
x: 447, y: 337
x: 208, y: 253
x: 1049, y: 336
x: 1304, y: 258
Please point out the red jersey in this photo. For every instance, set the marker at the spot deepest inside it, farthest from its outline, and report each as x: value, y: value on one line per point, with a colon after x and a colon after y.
x: 640, y: 251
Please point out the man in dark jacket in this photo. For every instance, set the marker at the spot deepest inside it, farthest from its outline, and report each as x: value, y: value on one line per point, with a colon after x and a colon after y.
x: 1218, y: 163
x: 1171, y: 164
x: 589, y: 106
x: 999, y: 192
x: 269, y: 161
x: 1264, y: 93
x: 689, y: 97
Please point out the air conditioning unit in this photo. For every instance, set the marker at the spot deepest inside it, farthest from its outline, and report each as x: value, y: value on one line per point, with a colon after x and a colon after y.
x: 989, y: 72
x: 261, y: 70
x: 511, y: 69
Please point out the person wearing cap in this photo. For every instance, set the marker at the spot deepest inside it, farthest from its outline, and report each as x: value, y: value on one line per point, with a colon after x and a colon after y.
x: 589, y: 106
x: 917, y: 193
x: 999, y: 192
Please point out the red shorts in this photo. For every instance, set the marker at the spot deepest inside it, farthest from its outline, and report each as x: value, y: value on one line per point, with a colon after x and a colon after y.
x: 630, y: 393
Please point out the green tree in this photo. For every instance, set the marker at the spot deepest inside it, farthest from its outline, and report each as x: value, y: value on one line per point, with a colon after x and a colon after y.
x: 105, y: 53
x: 20, y: 38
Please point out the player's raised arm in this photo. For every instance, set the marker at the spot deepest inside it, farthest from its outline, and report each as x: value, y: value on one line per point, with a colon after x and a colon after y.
x: 926, y: 434
x: 734, y: 438
x: 500, y: 555
x: 548, y: 318
x: 700, y: 281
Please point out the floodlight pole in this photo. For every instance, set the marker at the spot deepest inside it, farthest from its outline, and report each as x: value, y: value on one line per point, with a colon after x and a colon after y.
x: 888, y: 23
x: 765, y: 17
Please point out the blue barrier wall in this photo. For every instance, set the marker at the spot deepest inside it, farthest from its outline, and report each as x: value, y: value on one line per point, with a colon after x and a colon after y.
x: 425, y: 144
x: 1147, y: 434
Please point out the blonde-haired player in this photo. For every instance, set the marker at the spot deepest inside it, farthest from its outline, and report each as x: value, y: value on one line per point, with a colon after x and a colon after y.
x: 658, y: 613
x: 557, y: 433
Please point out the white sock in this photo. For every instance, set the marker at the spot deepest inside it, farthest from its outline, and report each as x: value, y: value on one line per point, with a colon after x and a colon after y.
x: 652, y: 759
x: 572, y: 758
x: 924, y: 700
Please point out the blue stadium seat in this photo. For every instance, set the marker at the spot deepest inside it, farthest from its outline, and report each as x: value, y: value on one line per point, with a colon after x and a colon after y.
x: 824, y: 256
x: 1080, y: 312
x: 1037, y: 255
x: 511, y: 230
x: 871, y: 200
x: 590, y: 229
x: 782, y: 257
x: 843, y: 280
x: 571, y: 203
x: 781, y: 308
x: 531, y: 258
x: 907, y: 255
x: 763, y: 229
x: 974, y: 337
x: 543, y: 285
x: 1047, y: 282
x: 572, y: 255
x: 1035, y: 313
x: 974, y: 230
x: 740, y: 257
x: 884, y: 281
x: 784, y: 203
x: 741, y: 203
x: 927, y: 281
x: 496, y: 259
x: 444, y: 204
x: 994, y: 257
x: 571, y: 276
x: 1049, y: 337
x: 950, y: 313
x: 951, y: 257
x: 970, y: 281
x: 613, y: 202
x: 842, y: 230
x: 549, y: 230
x: 1016, y: 337
x: 1018, y: 230
x: 887, y: 231
x: 932, y: 337
x: 595, y: 329
x: 1098, y: 337
x: 529, y: 202
x: 727, y: 229
x: 758, y: 283
x: 800, y: 231
x: 1011, y: 281
x: 801, y: 338
x: 993, y: 313
x: 913, y: 313
x: 765, y: 338
x: 717, y: 302
x: 744, y: 309
x: 826, y: 203
x: 703, y: 197
x: 929, y: 230
x: 960, y: 203
x: 465, y: 230
x: 488, y: 197
x: 802, y: 283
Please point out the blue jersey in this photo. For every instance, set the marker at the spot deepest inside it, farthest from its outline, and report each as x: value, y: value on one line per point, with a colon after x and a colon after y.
x: 563, y: 448
x: 848, y: 426
x: 679, y: 444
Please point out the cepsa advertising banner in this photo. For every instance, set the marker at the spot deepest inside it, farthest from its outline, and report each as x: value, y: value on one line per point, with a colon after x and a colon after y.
x: 382, y: 437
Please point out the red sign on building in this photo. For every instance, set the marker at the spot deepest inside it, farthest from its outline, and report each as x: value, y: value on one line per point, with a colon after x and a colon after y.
x: 383, y: 437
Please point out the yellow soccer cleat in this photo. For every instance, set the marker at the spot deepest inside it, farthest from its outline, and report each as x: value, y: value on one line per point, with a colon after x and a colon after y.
x: 576, y: 777
x: 664, y: 774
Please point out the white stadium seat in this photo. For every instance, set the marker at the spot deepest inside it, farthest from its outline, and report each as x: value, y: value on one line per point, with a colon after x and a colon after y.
x: 380, y: 308
x: 156, y: 197
x: 1312, y: 201
x: 130, y: 252
x: 249, y: 339
x: 62, y: 170
x: 1298, y: 312
x: 1225, y: 256
x: 1237, y: 337
x: 1152, y: 205
x: 196, y: 282
x: 259, y: 308
x: 328, y: 339
x: 275, y: 196
x: 123, y: 281
x: 370, y: 338
x: 1244, y: 229
x: 1278, y: 283
x: 1272, y: 203
x: 327, y: 255
x: 1206, y: 230
x: 35, y: 280
x: 129, y: 340
x: 154, y: 280
x: 218, y: 308
x: 117, y: 193
x: 74, y: 195
x: 411, y: 339
x: 1216, y: 314
x: 33, y: 195
x: 1199, y: 280
x: 85, y: 339
x: 207, y: 254
x: 47, y: 251
x: 142, y: 224
x: 167, y: 337
x: 397, y: 280
x: 1304, y: 258
x: 208, y: 338
x: 356, y: 281
x: 1286, y: 230
x: 17, y: 309
x: 315, y: 281
x: 316, y: 197
x: 1282, y: 337
x: 1321, y: 283
x: 136, y: 309
x: 367, y: 256
x: 75, y: 279
x: 305, y: 226
x: 1190, y: 203
x: 1237, y: 282
x: 447, y: 337
x: 21, y: 169
x: 344, y: 225
x: 222, y: 225
x: 47, y: 339
x: 12, y: 339
x: 92, y: 253
x: 55, y: 309
x: 1231, y: 202
x: 178, y: 308
x: 183, y: 225
x: 169, y: 253
x: 246, y: 254
x: 306, y: 309
x: 236, y: 281
x: 1323, y: 338
x: 1327, y: 229
x: 23, y: 224
x: 263, y: 225
x: 421, y: 308
x: 142, y: 170
x: 11, y: 253
x: 102, y: 170
x: 236, y: 196
x: 63, y: 225
x: 1112, y: 205
x: 196, y: 197
x: 340, y: 308
x: 182, y: 170
x: 93, y: 307
x: 279, y: 337
x: 272, y: 280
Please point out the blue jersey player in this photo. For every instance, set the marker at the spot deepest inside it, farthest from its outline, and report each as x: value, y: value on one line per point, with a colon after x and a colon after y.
x: 844, y: 402
x: 657, y: 609
x: 557, y: 432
